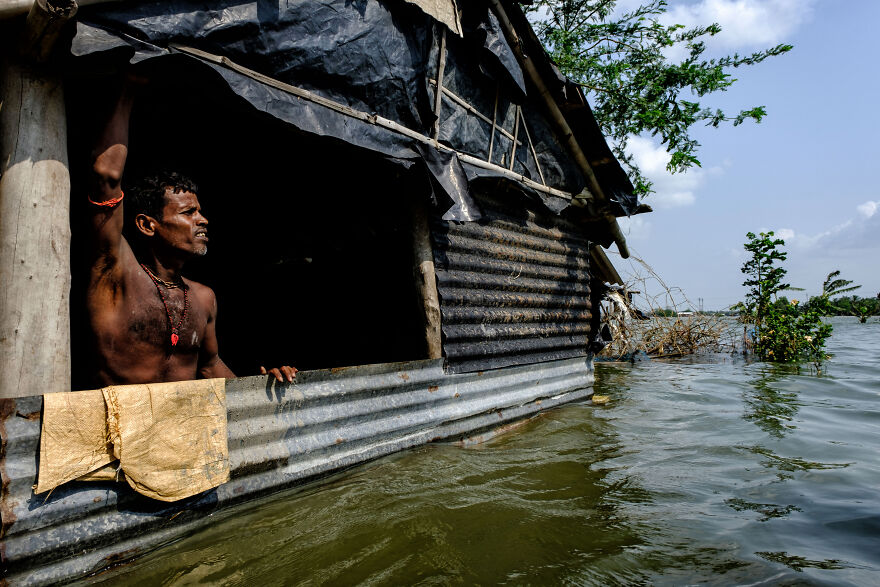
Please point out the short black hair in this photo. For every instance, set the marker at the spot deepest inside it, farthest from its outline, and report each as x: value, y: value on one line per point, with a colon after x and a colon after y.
x: 147, y: 194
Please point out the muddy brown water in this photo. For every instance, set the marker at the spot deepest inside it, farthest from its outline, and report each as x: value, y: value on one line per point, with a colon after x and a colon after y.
x: 711, y: 470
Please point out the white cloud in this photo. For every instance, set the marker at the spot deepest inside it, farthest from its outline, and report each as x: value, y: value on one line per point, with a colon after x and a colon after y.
x: 857, y: 233
x: 868, y: 209
x: 671, y: 190
x: 745, y: 24
x: 785, y: 234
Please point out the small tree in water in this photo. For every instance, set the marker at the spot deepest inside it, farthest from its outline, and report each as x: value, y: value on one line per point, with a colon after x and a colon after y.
x: 781, y: 332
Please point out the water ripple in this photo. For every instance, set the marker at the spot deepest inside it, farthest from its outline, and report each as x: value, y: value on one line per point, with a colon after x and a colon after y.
x: 703, y: 471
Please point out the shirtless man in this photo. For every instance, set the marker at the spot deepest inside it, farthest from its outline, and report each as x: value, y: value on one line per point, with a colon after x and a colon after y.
x: 150, y: 324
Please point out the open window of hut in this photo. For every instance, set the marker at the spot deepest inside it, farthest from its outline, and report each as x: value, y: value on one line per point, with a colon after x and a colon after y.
x: 311, y: 252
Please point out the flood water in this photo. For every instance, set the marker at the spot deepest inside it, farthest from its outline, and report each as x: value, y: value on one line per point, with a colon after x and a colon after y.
x: 710, y: 470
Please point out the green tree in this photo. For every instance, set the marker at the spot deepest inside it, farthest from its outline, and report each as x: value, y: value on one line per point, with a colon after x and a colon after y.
x: 621, y: 59
x: 782, y: 331
x: 834, y: 286
x: 765, y: 278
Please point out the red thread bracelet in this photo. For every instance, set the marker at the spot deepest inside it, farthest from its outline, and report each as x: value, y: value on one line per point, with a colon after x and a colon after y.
x: 109, y: 203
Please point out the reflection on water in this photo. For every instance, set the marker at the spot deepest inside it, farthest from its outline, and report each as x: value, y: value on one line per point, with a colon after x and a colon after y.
x: 767, y: 510
x: 799, y: 563
x: 771, y: 409
x: 719, y: 472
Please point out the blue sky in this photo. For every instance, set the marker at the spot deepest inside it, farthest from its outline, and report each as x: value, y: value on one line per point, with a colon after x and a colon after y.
x: 807, y: 172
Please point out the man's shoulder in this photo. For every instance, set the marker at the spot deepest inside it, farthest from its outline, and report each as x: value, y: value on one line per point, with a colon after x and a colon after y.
x: 200, y: 292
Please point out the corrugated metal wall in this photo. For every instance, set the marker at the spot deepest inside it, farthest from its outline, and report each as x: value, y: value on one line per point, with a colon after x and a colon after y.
x: 278, y: 437
x: 514, y: 289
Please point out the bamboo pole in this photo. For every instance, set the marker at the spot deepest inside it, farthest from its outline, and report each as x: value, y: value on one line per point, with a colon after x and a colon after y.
x: 463, y: 103
x: 532, y: 147
x: 515, y: 138
x: 426, y: 281
x: 494, y: 119
x: 562, y: 128
x: 438, y: 91
x: 368, y: 118
x: 34, y: 234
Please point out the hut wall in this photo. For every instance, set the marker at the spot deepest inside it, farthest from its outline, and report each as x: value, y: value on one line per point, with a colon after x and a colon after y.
x: 514, y: 287
x: 279, y: 436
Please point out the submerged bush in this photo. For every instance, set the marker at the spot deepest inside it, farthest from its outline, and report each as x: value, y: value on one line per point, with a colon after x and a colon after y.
x: 781, y: 332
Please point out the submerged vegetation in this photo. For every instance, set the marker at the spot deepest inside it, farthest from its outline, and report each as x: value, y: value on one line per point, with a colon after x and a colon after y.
x: 777, y: 329
x: 666, y: 328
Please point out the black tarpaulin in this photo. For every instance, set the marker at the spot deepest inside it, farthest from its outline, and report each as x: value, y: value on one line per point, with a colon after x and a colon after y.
x: 374, y: 57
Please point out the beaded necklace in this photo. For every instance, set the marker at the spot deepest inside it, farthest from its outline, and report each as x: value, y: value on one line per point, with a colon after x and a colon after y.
x: 174, y: 329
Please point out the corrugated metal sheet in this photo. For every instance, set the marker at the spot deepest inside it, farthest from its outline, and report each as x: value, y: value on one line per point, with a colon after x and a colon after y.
x: 514, y: 289
x: 278, y: 437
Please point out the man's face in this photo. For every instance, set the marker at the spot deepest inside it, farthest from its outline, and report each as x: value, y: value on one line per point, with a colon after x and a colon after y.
x: 182, y: 226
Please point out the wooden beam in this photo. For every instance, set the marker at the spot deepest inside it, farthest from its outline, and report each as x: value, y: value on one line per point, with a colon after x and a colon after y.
x: 13, y: 8
x: 43, y: 26
x: 34, y: 234
x: 426, y: 280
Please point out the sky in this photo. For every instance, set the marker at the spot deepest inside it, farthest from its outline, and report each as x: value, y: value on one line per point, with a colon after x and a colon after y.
x: 808, y: 172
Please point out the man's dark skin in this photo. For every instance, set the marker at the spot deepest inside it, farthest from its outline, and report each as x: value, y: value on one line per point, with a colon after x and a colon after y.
x: 127, y: 316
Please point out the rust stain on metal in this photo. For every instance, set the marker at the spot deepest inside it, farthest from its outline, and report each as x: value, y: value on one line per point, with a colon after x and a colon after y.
x: 433, y: 388
x: 7, y: 504
x: 457, y: 394
x: 403, y: 376
x: 339, y: 441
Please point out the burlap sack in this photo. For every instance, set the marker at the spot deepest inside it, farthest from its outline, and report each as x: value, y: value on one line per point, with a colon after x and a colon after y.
x: 170, y: 438
x: 74, y: 439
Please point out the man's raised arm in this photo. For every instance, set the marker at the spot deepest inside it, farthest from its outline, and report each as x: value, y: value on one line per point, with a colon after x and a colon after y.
x: 105, y: 189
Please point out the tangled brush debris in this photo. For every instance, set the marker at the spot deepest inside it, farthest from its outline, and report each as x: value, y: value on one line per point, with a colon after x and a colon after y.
x: 666, y: 328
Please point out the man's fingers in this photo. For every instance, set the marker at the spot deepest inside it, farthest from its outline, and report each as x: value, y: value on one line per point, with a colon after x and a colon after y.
x: 281, y: 373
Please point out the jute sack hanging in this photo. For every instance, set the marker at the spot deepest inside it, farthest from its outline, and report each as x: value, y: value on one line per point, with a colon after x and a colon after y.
x: 169, y: 438
x: 74, y: 440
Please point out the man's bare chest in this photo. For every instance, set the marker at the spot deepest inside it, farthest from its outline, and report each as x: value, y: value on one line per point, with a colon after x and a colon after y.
x: 144, y: 319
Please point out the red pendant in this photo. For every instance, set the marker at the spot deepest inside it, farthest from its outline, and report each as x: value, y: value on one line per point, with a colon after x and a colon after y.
x: 174, y: 339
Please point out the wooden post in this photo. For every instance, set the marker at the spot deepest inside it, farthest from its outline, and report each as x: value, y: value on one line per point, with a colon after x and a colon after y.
x: 44, y: 24
x: 426, y: 281
x: 34, y: 225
